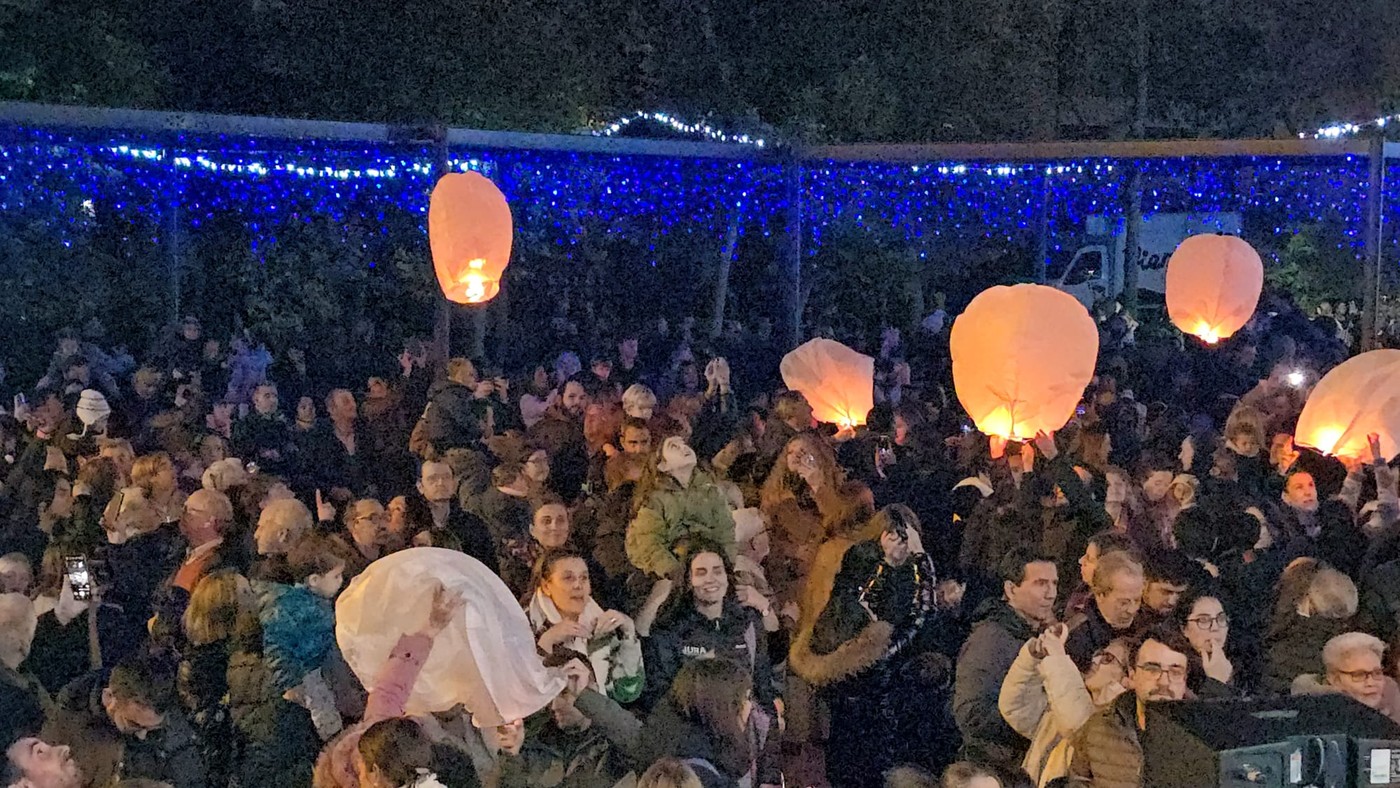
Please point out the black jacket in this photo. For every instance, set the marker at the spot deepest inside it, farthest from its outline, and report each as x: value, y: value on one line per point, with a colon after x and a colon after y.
x: 274, y: 742
x: 449, y: 420
x: 684, y: 634
x: 106, y: 755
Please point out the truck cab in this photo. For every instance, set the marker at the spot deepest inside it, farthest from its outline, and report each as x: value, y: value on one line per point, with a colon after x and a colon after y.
x: 1093, y: 271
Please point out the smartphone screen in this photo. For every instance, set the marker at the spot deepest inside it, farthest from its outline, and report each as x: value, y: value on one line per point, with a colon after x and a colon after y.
x: 78, y: 578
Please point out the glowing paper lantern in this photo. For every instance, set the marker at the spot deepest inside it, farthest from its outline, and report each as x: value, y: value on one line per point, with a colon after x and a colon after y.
x: 469, y: 230
x: 1358, y: 397
x: 1213, y: 285
x: 838, y: 382
x: 486, y: 659
x: 1022, y: 356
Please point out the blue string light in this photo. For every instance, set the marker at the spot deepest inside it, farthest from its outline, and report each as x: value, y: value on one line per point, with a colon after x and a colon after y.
x: 560, y: 197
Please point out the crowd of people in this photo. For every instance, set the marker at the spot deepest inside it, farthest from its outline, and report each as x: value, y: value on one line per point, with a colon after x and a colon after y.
x: 735, y: 594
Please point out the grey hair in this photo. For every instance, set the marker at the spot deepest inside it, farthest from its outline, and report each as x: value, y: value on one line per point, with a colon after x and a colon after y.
x: 1332, y: 594
x: 17, y: 625
x: 1348, y: 643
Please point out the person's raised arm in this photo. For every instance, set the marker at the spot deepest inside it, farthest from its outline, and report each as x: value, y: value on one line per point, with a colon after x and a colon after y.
x: 392, y: 687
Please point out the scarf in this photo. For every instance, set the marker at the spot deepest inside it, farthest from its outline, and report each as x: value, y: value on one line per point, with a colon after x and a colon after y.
x: 543, y: 614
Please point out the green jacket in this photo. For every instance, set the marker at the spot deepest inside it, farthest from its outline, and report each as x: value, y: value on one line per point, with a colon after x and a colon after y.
x: 672, y: 513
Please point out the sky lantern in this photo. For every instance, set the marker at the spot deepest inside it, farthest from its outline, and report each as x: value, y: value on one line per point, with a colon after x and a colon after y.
x: 1213, y: 286
x: 484, y: 659
x: 1022, y: 357
x: 1358, y: 397
x: 470, y: 231
x: 838, y: 382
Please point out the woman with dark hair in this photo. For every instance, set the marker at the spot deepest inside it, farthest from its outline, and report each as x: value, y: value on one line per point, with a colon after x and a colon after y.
x: 880, y: 632
x: 705, y: 720
x: 706, y: 620
x: 395, y: 753
x: 568, y: 622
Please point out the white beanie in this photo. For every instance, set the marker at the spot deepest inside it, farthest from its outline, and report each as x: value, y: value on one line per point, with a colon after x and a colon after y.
x: 92, y: 407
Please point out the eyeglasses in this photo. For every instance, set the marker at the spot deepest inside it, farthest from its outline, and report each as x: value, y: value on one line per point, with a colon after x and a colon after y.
x: 1363, y: 675
x: 1106, y: 658
x: 1221, y: 621
x: 1155, y: 671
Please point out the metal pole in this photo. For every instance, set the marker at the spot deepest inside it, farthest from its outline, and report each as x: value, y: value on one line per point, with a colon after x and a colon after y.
x: 790, y: 330
x: 442, y: 323
x: 1371, y: 260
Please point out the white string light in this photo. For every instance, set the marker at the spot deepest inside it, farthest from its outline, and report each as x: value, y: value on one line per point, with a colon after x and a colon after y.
x: 675, y: 124
x: 1339, y: 130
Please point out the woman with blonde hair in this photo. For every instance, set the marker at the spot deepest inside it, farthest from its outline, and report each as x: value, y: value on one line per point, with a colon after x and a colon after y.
x: 154, y: 474
x: 210, y: 621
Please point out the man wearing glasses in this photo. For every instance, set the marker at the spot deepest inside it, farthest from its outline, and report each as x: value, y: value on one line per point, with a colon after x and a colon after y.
x: 1355, y: 669
x: 1108, y: 748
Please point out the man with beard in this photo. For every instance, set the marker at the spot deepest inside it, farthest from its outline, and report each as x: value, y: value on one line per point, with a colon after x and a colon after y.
x: 34, y: 763
x: 1108, y: 749
x: 560, y: 433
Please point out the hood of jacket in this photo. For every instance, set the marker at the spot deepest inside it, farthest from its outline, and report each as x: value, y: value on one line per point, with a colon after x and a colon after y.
x: 998, y: 612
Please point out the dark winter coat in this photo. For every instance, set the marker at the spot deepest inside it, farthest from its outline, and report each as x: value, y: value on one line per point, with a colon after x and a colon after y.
x: 685, y: 634
x: 1088, y: 636
x: 139, y: 568
x: 267, y: 441
x: 23, y: 705
x: 274, y: 741
x: 106, y: 755
x: 449, y: 420
x: 1295, y: 648
x: 983, y: 663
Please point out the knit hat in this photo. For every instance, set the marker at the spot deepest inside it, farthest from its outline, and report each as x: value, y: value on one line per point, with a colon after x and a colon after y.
x: 92, y: 408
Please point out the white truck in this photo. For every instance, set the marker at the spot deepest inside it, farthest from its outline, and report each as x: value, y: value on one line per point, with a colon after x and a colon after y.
x: 1094, y: 272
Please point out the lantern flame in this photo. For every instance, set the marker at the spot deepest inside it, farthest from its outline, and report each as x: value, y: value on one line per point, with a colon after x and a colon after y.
x: 1327, y: 438
x: 1206, y: 333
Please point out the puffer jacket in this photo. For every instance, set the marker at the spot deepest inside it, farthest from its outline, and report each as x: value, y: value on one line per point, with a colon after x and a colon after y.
x: 1311, y: 684
x: 1107, y: 750
x: 298, y: 630
x: 985, y: 659
x: 673, y: 512
x: 275, y: 742
x: 1046, y: 701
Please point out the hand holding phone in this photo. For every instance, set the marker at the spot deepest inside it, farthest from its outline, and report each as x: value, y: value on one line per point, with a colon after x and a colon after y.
x: 79, y: 578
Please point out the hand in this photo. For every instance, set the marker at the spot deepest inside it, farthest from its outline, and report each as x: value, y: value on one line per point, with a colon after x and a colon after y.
x: 325, y: 510
x: 1373, y: 440
x: 1046, y: 444
x: 749, y: 597
x: 614, y: 620
x: 447, y: 605
x: 997, y: 446
x: 1052, y: 640
x: 406, y: 362
x: 560, y: 633
x: 781, y: 709
x: 1216, y: 664
x: 791, y: 612
x: 950, y: 593
x: 578, y: 675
